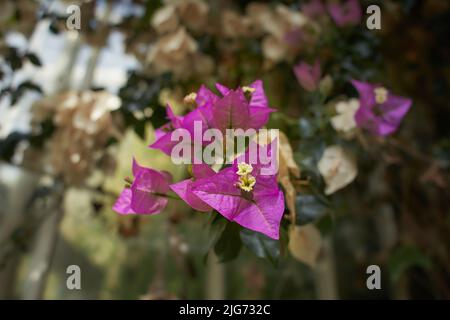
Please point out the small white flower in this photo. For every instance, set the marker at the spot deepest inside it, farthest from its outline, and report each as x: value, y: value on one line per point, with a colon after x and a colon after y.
x: 344, y: 121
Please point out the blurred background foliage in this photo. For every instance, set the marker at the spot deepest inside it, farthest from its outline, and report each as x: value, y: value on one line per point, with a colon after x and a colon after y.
x: 61, y: 170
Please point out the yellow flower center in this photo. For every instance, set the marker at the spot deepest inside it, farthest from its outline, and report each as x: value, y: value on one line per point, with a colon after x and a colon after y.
x: 381, y: 95
x: 244, y: 168
x: 248, y: 92
x: 190, y: 98
x: 246, y: 182
x: 248, y: 89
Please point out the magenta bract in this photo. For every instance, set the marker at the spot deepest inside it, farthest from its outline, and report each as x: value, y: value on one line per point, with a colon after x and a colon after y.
x: 380, y: 112
x: 346, y: 13
x: 146, y: 194
x: 260, y: 209
x: 308, y: 76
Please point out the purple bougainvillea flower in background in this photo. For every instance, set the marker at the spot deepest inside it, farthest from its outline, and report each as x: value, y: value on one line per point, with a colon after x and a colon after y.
x: 308, y: 75
x: 345, y: 13
x: 184, y: 188
x: 242, y: 194
x: 313, y: 8
x: 294, y: 37
x: 380, y: 111
x: 147, y: 193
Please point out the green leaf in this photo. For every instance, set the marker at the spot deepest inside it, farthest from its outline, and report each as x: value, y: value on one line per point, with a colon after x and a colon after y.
x: 309, y: 155
x: 34, y: 59
x: 325, y: 224
x: 404, y: 258
x: 229, y: 244
x: 139, y: 129
x: 14, y: 59
x: 217, y: 225
x: 261, y: 245
x: 9, y: 144
x: 53, y: 27
x: 22, y: 88
x: 309, y: 208
x: 46, y: 129
x: 29, y: 85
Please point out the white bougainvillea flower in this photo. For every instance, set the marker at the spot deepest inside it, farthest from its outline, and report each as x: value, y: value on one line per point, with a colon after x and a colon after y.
x: 344, y: 121
x: 337, y: 167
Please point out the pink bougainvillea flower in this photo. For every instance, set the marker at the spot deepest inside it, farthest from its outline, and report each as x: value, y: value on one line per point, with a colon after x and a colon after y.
x: 205, y: 97
x: 162, y: 134
x: 234, y: 111
x: 258, y: 96
x: 380, y: 112
x: 184, y: 188
x: 231, y: 111
x: 242, y: 194
x: 314, y: 8
x: 346, y: 13
x: 243, y: 108
x: 246, y: 113
x: 205, y: 100
x: 175, y: 122
x: 308, y: 75
x: 147, y: 193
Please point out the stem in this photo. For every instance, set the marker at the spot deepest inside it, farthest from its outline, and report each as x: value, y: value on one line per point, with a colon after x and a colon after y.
x: 215, y: 278
x: 411, y: 151
x: 114, y: 195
